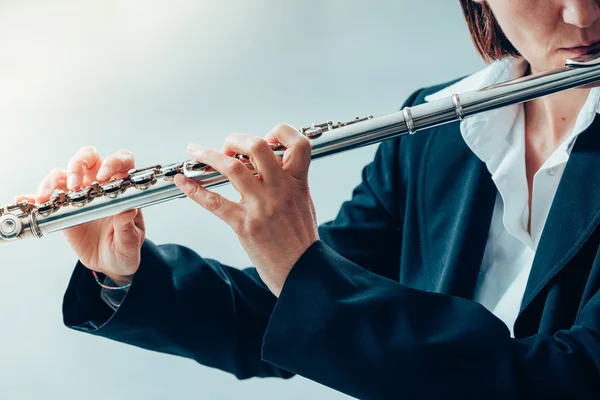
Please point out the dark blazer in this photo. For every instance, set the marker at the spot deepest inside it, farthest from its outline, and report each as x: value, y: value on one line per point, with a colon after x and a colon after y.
x: 381, y: 307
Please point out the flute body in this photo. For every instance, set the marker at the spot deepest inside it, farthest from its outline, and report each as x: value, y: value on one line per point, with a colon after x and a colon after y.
x: 153, y: 185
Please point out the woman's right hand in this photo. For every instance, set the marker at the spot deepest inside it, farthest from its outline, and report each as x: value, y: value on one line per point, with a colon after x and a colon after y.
x: 109, y: 245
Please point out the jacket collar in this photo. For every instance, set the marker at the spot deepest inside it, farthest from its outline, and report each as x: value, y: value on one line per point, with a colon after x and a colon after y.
x: 485, y: 132
x: 573, y: 216
x: 575, y: 211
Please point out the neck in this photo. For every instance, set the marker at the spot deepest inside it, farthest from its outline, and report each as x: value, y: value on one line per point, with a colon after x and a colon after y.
x: 555, y: 115
x: 549, y: 120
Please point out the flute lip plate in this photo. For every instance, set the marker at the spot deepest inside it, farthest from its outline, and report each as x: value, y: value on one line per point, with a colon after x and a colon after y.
x: 588, y: 60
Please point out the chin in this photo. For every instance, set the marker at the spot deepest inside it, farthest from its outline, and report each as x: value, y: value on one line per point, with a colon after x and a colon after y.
x: 566, y: 54
x: 558, y: 59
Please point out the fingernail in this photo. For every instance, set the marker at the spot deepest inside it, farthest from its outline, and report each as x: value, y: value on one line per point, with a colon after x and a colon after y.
x: 193, y: 148
x: 72, y: 180
x: 43, y: 191
x: 47, y: 188
x: 103, y: 173
x: 181, y: 180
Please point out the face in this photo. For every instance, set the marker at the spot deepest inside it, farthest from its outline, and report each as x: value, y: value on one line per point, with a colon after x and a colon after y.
x: 547, y: 32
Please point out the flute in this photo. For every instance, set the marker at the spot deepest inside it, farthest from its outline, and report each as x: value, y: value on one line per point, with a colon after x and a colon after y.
x: 153, y: 185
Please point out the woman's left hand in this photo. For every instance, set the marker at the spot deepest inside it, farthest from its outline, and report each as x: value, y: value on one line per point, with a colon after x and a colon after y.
x: 275, y: 219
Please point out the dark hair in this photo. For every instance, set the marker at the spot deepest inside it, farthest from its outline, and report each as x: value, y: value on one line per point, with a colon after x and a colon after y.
x: 487, y: 35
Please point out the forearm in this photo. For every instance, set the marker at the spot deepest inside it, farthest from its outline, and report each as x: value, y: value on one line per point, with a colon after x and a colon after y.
x: 373, y: 338
x: 180, y: 303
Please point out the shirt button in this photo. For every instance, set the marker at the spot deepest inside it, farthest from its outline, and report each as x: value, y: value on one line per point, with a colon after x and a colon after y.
x: 552, y: 171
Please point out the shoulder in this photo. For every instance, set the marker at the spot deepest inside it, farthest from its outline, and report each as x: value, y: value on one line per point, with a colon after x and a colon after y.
x: 425, y: 94
x: 410, y: 151
x: 465, y: 83
x: 431, y: 93
x: 417, y: 144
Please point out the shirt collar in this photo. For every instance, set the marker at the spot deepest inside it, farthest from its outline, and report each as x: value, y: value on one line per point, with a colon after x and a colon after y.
x: 485, y: 132
x: 497, y: 138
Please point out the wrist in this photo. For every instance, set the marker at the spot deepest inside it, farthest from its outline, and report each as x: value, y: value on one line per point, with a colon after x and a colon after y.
x: 277, y: 280
x: 120, y: 280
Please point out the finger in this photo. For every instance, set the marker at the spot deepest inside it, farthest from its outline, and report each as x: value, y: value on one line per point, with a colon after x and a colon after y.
x: 257, y: 149
x: 139, y: 220
x: 29, y: 197
x: 56, y: 179
x: 127, y: 233
x: 232, y: 153
x: 238, y: 174
x: 83, y: 167
x: 123, y: 222
x: 297, y: 156
x: 226, y: 210
x: 116, y: 166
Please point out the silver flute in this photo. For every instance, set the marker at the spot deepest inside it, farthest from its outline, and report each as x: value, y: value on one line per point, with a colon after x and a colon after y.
x: 148, y: 186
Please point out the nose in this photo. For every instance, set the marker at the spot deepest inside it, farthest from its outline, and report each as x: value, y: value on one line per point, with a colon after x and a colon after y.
x: 581, y: 13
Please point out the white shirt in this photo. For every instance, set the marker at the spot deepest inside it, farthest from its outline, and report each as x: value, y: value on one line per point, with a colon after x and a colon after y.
x: 497, y: 137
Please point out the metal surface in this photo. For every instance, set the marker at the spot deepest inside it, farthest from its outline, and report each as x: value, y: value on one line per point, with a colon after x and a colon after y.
x: 153, y: 185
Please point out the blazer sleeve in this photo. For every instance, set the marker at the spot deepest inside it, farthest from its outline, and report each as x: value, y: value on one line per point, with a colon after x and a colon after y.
x: 183, y: 304
x: 373, y: 338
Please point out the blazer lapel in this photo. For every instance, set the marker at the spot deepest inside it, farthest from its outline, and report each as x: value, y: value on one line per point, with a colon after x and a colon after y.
x: 454, y: 245
x: 573, y: 216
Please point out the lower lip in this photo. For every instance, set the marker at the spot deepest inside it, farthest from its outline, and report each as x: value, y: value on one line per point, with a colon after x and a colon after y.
x: 583, y: 50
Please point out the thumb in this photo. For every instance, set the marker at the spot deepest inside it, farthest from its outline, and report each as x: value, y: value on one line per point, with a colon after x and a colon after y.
x: 139, y: 220
x: 125, y: 235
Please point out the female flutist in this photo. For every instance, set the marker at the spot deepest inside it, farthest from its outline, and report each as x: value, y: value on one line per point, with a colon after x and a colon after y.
x: 466, y: 264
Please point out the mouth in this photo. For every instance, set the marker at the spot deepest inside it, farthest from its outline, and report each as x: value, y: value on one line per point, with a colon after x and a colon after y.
x: 583, y: 49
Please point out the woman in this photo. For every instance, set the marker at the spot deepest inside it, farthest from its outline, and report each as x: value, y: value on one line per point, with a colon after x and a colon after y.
x: 465, y: 264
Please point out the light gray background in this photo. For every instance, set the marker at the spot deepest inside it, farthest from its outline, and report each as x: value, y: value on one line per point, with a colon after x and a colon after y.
x: 152, y: 77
